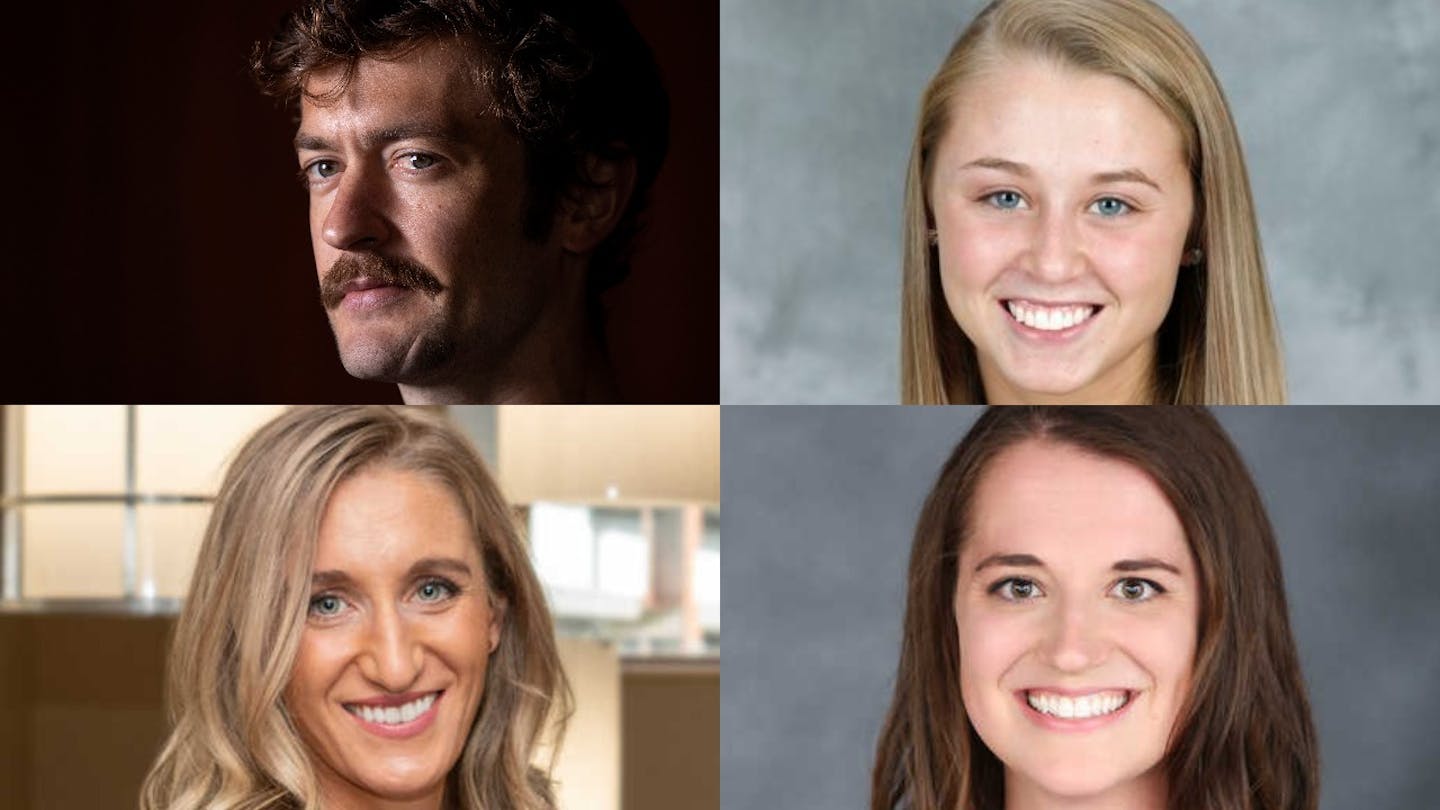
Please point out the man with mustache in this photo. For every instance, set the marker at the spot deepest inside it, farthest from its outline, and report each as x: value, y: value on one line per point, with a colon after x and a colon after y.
x: 476, y: 171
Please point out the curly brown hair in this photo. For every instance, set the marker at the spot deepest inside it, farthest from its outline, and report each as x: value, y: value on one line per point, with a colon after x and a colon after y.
x: 573, y: 79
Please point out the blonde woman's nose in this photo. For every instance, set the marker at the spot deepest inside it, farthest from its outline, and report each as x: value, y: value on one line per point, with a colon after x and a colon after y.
x: 1055, y: 254
x: 392, y: 655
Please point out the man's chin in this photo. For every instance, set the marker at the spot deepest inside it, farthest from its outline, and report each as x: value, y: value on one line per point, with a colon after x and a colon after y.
x: 411, y: 361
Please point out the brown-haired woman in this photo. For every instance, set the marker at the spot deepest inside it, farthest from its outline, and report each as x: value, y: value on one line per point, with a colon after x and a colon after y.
x: 1096, y: 617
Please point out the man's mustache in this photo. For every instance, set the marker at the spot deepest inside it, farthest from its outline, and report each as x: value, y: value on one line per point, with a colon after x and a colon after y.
x: 386, y: 270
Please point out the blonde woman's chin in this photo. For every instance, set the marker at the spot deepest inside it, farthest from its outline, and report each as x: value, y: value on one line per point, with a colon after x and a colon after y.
x: 1038, y: 381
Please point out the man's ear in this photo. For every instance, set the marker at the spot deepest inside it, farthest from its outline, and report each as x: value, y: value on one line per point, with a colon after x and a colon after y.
x: 589, y: 211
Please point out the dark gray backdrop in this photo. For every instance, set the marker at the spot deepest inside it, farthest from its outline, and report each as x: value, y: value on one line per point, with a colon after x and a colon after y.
x: 1338, y: 107
x: 820, y: 504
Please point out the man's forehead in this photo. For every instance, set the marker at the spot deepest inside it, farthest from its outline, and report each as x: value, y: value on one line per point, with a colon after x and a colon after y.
x: 432, y: 77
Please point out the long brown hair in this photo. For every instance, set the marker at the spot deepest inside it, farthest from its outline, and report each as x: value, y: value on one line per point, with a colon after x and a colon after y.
x: 1244, y: 739
x: 233, y: 745
x: 1219, y: 344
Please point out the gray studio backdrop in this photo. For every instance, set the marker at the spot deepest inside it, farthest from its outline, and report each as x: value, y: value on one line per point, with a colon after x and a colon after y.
x: 820, y: 504
x: 1337, y: 102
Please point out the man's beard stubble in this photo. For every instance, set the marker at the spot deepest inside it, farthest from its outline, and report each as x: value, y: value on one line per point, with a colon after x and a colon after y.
x: 384, y: 269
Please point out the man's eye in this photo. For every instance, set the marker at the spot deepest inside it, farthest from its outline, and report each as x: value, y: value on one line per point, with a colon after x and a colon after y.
x: 1005, y: 200
x: 322, y: 169
x: 1110, y: 207
x: 418, y: 161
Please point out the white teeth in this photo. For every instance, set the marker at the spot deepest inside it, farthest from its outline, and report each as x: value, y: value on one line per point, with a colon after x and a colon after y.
x: 1049, y: 319
x: 1077, y: 708
x: 393, y: 715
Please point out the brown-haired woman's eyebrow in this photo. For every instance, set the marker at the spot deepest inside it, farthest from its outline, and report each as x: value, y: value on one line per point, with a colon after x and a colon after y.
x: 1021, y: 560
x: 1148, y: 563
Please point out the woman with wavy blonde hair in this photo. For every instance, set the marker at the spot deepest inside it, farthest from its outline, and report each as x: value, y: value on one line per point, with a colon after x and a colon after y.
x: 363, y: 626
x: 1078, y: 219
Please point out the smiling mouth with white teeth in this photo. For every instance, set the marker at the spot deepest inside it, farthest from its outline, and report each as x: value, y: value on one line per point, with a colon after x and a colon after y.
x: 1050, y: 318
x: 1081, y: 707
x: 393, y: 715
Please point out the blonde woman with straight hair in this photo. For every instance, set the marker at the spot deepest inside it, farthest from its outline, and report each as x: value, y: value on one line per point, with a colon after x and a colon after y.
x: 363, y: 627
x: 1078, y: 220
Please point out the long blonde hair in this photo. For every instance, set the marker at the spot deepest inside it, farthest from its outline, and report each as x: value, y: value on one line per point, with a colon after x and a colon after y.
x: 1219, y: 344
x: 233, y: 745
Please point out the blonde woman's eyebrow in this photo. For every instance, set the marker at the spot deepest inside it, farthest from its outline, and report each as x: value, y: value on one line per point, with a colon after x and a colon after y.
x: 1125, y: 175
x: 427, y: 565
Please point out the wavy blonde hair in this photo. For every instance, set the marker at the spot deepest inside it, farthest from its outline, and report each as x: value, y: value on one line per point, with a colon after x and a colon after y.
x: 233, y: 745
x: 1218, y: 344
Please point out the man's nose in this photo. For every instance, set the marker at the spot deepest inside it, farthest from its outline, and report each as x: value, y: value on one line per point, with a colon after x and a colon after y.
x: 356, y: 218
x: 392, y: 656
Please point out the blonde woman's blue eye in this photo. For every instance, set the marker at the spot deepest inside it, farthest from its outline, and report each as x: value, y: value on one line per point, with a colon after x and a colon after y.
x: 1110, y: 207
x: 1005, y: 200
x: 327, y: 605
x: 435, y: 590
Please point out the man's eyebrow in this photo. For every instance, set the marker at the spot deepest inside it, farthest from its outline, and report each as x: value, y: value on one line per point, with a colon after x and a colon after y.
x: 305, y: 142
x: 428, y: 565
x: 1126, y: 175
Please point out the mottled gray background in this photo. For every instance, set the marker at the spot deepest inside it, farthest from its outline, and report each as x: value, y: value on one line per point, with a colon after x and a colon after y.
x: 820, y: 505
x: 1338, y: 106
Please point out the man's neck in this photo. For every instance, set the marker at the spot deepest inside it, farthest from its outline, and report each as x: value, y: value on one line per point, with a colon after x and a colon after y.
x: 560, y: 358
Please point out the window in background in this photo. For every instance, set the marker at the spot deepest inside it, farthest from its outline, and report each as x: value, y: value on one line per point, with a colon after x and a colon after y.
x: 104, y: 507
x: 646, y: 578
x: 109, y: 502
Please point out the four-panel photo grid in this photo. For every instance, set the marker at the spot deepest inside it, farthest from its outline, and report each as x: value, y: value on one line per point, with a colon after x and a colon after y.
x: 1066, y: 372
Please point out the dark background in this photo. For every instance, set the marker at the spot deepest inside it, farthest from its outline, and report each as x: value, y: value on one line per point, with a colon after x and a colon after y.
x: 158, y: 247
x: 820, y: 510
